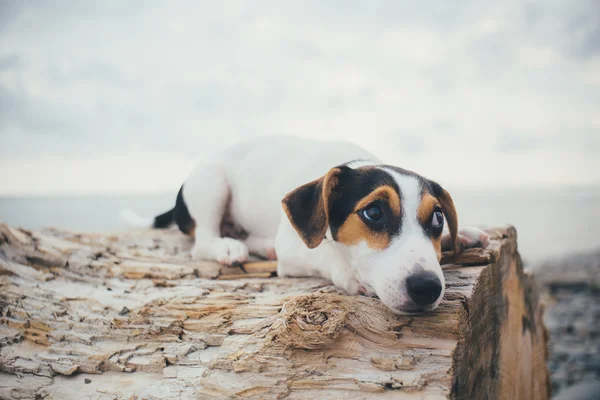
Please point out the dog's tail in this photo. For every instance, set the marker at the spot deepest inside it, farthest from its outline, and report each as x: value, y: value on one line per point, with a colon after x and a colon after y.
x: 161, y: 221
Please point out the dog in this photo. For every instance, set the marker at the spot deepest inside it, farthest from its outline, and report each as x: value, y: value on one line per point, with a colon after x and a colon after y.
x: 327, y: 209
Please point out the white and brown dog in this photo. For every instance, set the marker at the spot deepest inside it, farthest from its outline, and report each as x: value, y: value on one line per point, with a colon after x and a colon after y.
x: 326, y: 209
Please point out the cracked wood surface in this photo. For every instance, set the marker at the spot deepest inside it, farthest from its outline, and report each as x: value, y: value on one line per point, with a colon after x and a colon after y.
x: 130, y: 315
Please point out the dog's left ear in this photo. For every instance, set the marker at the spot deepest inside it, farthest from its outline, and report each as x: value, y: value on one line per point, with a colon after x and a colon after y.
x: 307, y: 207
x: 449, y: 212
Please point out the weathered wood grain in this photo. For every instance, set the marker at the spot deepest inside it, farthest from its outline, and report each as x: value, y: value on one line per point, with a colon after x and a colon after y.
x: 131, y: 315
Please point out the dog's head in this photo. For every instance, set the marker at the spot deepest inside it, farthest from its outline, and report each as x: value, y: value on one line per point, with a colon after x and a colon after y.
x: 387, y: 222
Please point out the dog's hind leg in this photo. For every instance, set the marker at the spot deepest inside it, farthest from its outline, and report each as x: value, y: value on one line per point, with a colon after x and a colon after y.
x: 206, y: 194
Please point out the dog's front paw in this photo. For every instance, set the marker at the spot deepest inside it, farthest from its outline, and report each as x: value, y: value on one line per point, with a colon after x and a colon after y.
x: 353, y: 287
x: 225, y: 251
x: 470, y: 236
x: 348, y: 282
x: 228, y: 251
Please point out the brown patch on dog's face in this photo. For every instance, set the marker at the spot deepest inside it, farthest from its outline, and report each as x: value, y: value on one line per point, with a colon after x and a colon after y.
x: 426, y: 207
x: 386, y: 193
x: 424, y: 215
x: 357, y: 228
x: 354, y: 230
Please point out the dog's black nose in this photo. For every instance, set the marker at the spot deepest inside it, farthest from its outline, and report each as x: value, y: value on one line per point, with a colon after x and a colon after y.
x: 424, y: 288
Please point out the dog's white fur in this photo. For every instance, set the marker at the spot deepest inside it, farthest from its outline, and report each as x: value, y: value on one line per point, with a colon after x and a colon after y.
x: 251, y: 178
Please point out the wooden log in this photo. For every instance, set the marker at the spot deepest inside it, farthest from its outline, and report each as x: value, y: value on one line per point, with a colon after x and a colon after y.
x: 131, y: 315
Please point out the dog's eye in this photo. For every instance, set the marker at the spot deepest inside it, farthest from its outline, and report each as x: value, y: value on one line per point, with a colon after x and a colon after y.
x: 372, y: 213
x: 437, y: 219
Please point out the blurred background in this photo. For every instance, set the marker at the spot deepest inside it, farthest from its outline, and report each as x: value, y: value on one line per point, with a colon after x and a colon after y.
x: 105, y: 105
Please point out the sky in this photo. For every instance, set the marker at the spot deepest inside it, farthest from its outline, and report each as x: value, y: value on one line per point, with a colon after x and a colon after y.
x: 125, y: 96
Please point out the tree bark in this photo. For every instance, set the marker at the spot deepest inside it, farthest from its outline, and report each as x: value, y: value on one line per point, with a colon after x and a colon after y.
x: 131, y: 315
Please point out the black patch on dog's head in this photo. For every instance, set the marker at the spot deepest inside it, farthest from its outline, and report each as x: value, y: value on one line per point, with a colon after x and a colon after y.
x: 331, y: 200
x: 353, y: 186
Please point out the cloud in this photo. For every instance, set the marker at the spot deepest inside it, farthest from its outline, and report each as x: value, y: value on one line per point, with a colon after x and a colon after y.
x: 421, y: 83
x: 520, y: 143
x: 9, y: 62
x: 574, y: 26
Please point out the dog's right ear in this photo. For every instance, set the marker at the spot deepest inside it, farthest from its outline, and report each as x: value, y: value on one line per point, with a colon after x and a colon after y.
x: 307, y: 208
